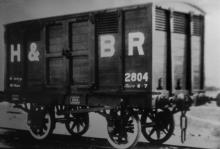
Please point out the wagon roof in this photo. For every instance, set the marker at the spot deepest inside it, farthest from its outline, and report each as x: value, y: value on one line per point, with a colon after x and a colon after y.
x: 166, y: 4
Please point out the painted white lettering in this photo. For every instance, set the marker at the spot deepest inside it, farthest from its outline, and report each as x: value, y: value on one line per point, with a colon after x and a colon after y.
x: 15, y: 53
x: 135, y: 41
x: 33, y: 54
x: 107, y: 43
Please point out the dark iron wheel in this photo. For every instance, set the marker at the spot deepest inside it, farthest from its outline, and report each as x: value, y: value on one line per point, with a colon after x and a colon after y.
x: 123, y: 131
x: 41, y: 122
x: 77, y: 124
x: 157, y: 126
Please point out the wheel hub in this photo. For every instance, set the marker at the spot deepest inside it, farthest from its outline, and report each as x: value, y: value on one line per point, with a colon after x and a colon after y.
x: 157, y: 125
x: 41, y: 124
x: 119, y: 127
x: 162, y: 121
x: 123, y: 129
x: 77, y: 124
x: 36, y: 119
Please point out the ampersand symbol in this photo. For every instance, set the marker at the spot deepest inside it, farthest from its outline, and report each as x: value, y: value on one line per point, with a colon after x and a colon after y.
x: 33, y: 54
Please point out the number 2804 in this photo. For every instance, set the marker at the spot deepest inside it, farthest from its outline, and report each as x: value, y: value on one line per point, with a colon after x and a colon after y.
x: 136, y: 77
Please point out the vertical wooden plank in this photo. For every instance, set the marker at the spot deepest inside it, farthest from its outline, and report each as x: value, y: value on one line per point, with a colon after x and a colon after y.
x: 70, y: 65
x: 25, y: 62
x: 122, y: 54
x: 189, y: 55
x: 44, y: 48
x: 202, y: 69
x: 96, y: 55
x: 91, y: 45
x: 169, y: 52
x: 153, y: 23
x: 66, y: 59
x: 6, y: 74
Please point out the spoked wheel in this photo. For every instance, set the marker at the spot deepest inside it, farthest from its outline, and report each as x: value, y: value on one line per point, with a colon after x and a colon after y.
x: 122, y: 130
x: 77, y: 124
x: 41, y: 123
x: 157, y: 126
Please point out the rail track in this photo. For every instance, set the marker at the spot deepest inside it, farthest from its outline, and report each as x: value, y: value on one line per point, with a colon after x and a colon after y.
x: 12, y: 138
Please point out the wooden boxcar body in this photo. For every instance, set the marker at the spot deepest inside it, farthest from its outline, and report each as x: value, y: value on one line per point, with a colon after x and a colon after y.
x: 130, y: 51
x: 102, y: 58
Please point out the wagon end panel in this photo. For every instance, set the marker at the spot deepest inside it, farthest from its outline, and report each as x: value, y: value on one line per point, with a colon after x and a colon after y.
x: 178, y: 48
x: 138, y: 49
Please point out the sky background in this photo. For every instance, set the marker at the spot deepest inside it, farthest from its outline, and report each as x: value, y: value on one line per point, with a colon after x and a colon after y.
x: 17, y: 10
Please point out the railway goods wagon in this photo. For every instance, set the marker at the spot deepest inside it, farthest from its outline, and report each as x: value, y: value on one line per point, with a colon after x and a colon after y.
x: 137, y: 62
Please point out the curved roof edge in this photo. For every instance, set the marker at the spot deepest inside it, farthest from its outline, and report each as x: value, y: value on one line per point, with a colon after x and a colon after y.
x: 167, y: 2
x: 195, y: 6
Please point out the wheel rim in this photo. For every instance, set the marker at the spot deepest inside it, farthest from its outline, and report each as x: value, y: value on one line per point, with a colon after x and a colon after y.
x: 157, y: 127
x: 41, y: 133
x: 123, y: 140
x: 77, y: 124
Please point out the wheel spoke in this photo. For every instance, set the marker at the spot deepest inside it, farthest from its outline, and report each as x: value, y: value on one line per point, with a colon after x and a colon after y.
x: 45, y: 127
x: 165, y: 131
x: 73, y: 126
x: 152, y: 131
x: 119, y: 139
x: 146, y: 125
x: 41, y: 132
x: 158, y: 134
x: 35, y: 131
x: 45, y: 120
x: 83, y: 124
x: 167, y: 128
x: 130, y: 130
x: 78, y: 127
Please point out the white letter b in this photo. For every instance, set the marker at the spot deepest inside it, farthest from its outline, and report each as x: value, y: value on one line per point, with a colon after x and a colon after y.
x: 107, y: 43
